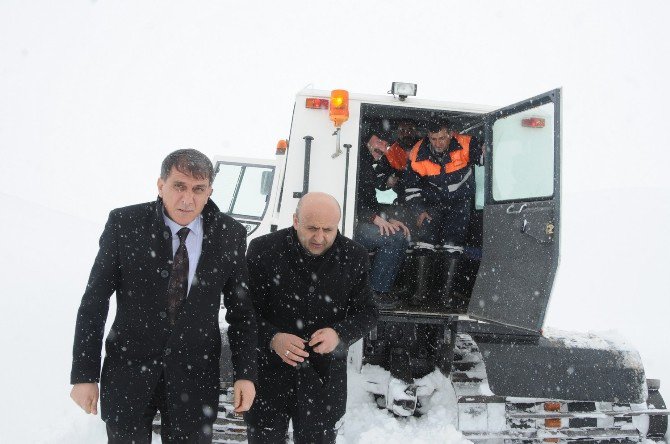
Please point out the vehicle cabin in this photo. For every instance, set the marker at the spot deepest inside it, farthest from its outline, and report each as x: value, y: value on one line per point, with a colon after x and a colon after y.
x: 511, y: 252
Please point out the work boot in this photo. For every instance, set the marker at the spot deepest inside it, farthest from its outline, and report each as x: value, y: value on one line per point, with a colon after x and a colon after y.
x: 385, y: 301
x: 423, y: 278
x: 448, y: 278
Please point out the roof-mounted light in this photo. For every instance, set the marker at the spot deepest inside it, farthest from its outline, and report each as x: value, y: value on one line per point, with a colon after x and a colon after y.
x: 339, y: 106
x: 282, y: 146
x: 403, y: 90
x: 316, y: 103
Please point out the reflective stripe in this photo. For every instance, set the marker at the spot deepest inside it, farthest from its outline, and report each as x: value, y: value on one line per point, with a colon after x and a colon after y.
x: 424, y: 246
x: 412, y: 190
x: 456, y: 186
x: 412, y: 196
x: 453, y: 248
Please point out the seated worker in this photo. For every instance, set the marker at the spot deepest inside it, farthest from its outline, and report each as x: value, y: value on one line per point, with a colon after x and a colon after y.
x: 374, y: 230
x: 392, y: 166
x: 439, y: 192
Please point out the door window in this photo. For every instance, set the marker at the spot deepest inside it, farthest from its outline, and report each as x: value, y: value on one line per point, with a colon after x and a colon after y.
x: 225, y: 184
x: 250, y: 201
x: 523, y: 155
x: 240, y: 190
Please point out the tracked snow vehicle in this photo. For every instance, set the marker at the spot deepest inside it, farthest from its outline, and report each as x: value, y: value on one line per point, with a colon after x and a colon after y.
x: 512, y: 380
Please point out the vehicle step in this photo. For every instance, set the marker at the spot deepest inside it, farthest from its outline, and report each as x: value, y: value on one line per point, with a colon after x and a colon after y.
x: 463, y: 378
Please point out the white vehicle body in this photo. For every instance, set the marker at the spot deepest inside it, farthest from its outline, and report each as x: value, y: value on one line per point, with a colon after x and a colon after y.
x: 511, y: 380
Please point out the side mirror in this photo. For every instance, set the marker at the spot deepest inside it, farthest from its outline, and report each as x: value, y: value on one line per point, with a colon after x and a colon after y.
x: 266, y: 182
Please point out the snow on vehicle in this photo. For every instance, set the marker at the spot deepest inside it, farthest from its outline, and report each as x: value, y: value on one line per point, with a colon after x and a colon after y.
x: 513, y: 381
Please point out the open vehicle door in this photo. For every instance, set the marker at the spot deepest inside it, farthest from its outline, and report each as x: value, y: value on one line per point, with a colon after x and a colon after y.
x: 242, y: 189
x: 520, y: 252
x: 520, y: 245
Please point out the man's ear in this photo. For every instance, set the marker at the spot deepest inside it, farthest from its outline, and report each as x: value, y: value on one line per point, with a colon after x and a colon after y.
x: 160, y: 184
x: 295, y: 221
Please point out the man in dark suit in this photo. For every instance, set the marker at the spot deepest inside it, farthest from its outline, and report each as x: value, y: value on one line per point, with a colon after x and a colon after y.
x: 169, y: 262
x: 310, y: 288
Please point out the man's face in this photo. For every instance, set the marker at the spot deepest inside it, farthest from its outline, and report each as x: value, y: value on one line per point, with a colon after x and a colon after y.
x: 377, y: 147
x: 406, y: 133
x: 184, y: 196
x: 440, y: 140
x: 316, y: 227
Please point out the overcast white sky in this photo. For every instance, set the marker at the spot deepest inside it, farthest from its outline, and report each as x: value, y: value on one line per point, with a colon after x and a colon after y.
x: 93, y: 95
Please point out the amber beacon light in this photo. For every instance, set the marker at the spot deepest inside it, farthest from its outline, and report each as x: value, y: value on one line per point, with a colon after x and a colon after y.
x: 339, y: 106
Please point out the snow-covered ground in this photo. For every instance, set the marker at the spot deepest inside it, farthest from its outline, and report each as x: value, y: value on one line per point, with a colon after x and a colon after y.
x: 93, y: 94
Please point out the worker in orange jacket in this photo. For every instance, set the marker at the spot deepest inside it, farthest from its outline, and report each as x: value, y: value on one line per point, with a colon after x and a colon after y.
x: 439, y: 194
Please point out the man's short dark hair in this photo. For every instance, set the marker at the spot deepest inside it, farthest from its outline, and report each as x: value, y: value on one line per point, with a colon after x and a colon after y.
x: 188, y: 161
x: 435, y: 125
x: 379, y: 132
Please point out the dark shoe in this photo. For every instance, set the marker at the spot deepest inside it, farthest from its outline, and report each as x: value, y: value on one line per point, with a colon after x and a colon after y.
x: 385, y: 301
x: 423, y: 278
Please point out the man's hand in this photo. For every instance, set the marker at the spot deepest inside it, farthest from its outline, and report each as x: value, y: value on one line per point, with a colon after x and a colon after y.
x: 326, y: 338
x: 422, y: 217
x: 400, y: 226
x: 244, y: 393
x: 391, y: 181
x: 86, y: 394
x: 290, y: 348
x: 385, y: 228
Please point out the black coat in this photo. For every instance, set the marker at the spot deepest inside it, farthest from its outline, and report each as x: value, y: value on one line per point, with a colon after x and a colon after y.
x: 366, y: 204
x: 135, y: 261
x: 292, y: 297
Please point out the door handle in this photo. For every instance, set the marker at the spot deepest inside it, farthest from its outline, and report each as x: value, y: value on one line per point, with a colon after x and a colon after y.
x: 524, y: 226
x: 511, y: 210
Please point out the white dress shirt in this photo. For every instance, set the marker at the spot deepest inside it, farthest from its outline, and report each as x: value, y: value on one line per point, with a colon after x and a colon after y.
x: 193, y: 242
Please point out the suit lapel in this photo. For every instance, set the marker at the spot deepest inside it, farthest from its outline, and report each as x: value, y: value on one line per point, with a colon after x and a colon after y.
x: 210, y: 245
x: 163, y: 236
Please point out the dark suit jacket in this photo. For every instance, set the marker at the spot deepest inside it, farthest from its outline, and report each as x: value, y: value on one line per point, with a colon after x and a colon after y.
x: 289, y: 297
x: 135, y: 261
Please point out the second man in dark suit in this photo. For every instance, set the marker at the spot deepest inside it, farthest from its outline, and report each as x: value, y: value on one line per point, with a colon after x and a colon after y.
x: 310, y: 288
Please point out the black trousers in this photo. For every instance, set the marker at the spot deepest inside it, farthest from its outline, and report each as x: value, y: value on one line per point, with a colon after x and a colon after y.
x: 449, y: 223
x: 141, y: 433
x: 268, y: 419
x: 278, y: 434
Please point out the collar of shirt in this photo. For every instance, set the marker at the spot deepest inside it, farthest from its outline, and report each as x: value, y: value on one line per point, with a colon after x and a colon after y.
x: 195, y: 226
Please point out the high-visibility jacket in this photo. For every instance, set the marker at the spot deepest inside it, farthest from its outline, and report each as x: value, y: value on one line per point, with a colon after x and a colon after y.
x: 456, y: 158
x: 397, y: 157
x: 394, y: 162
x: 433, y: 182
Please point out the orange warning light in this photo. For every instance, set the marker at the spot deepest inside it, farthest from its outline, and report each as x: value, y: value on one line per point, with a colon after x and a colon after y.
x: 282, y: 145
x: 339, y: 106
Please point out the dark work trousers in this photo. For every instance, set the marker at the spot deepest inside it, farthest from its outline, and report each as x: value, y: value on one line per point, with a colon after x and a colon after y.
x: 141, y: 434
x: 449, y: 223
x: 285, y: 405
